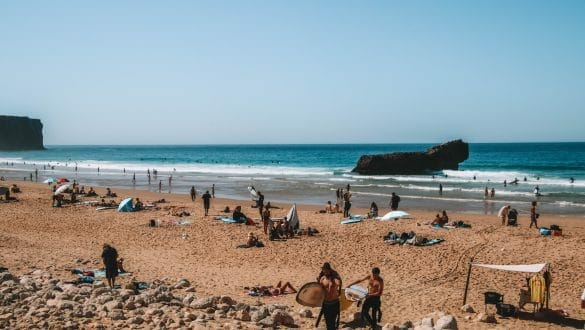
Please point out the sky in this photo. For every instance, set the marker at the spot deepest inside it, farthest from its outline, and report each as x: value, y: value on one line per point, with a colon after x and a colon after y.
x: 230, y: 72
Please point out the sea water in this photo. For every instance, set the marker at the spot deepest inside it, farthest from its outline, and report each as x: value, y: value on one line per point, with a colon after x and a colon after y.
x: 311, y: 174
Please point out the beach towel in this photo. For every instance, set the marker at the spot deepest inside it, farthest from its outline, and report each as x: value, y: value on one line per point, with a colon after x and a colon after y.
x: 102, y: 273
x: 432, y: 242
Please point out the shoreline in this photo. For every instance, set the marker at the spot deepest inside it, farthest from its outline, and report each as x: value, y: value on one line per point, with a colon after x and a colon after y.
x: 282, y: 190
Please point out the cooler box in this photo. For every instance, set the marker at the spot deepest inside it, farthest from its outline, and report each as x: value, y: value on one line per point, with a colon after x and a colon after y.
x: 557, y: 232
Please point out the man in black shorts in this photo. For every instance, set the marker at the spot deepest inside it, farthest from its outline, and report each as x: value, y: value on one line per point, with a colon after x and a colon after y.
x: 375, y: 290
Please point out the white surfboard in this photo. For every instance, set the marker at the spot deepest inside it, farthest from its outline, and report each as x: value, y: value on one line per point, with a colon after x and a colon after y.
x: 253, y: 192
x: 356, y: 293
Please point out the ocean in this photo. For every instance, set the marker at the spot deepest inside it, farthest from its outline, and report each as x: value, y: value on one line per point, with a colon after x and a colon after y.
x: 310, y: 174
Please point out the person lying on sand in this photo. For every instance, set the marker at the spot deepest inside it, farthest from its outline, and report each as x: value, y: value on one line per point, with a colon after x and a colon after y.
x: 279, y: 289
x: 109, y: 193
x: 240, y: 217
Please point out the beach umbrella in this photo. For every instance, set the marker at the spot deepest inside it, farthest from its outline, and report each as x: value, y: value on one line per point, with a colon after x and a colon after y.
x: 62, y: 180
x: 125, y: 205
x: 62, y: 188
x: 394, y: 215
x: 49, y: 180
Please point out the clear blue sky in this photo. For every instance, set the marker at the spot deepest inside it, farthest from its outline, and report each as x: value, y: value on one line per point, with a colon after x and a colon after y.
x: 191, y: 72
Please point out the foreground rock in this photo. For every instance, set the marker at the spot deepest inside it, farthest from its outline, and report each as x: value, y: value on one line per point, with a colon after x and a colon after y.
x: 38, y: 300
x: 441, y: 157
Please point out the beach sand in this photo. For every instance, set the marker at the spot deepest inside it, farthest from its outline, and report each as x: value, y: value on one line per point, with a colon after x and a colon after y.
x: 418, y: 280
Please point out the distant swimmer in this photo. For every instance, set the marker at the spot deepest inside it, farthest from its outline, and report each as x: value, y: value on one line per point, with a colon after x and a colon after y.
x: 537, y: 191
x: 505, y: 183
x: 525, y: 179
x: 474, y: 177
x: 572, y: 180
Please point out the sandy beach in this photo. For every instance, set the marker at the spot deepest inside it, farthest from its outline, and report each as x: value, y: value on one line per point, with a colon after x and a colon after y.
x: 419, y: 280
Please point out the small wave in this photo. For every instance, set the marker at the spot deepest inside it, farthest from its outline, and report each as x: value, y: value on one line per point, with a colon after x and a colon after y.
x: 568, y: 204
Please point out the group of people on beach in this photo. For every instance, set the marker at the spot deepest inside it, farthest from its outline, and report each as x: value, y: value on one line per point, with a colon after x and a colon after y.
x: 331, y: 282
x: 506, y: 210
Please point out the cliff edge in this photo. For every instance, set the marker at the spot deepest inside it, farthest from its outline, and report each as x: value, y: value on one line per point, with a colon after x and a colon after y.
x: 20, y: 133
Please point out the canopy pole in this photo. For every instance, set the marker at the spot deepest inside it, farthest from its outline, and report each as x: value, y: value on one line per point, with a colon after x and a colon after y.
x: 467, y: 282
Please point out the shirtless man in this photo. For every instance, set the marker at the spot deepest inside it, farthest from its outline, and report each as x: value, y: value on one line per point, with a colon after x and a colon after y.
x: 375, y: 290
x: 331, y: 282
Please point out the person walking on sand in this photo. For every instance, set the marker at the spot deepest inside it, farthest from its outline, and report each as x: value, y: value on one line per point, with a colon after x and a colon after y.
x: 193, y: 193
x: 372, y: 301
x: 503, y: 213
x: 110, y: 260
x: 206, y: 197
x: 266, y: 220
x: 533, y: 215
x: 394, y: 200
x: 260, y: 203
x: 331, y: 282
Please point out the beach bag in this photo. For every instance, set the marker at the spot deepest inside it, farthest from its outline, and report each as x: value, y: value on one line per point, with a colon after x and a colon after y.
x: 554, y: 227
x: 505, y: 310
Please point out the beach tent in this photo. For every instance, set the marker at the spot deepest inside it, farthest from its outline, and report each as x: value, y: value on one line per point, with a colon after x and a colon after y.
x: 125, y: 205
x: 293, y: 217
x: 395, y: 215
x: 531, y: 268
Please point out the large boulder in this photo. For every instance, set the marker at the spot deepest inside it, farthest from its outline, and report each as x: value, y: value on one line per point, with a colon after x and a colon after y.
x: 446, y: 156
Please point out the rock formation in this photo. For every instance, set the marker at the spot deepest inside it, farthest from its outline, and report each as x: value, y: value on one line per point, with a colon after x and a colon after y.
x: 20, y: 133
x: 446, y: 156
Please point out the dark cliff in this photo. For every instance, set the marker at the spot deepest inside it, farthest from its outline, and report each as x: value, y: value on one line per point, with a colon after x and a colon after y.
x: 20, y: 133
x: 446, y: 156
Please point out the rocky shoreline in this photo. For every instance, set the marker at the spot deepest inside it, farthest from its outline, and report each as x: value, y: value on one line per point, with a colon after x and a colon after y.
x: 40, y: 301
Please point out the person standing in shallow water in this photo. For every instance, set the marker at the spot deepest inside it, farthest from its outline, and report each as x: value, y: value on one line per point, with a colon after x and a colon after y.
x: 192, y: 193
x: 110, y: 260
x: 394, y: 200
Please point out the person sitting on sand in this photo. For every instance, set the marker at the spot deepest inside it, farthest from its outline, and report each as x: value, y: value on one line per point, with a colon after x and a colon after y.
x: 82, y: 190
x: 109, y: 193
x: 274, y: 233
x: 252, y: 240
x: 373, y: 210
x: 14, y: 189
x: 329, y: 207
x: 440, y: 220
x: 121, y: 265
x: 240, y: 217
x: 91, y: 192
x: 138, y: 206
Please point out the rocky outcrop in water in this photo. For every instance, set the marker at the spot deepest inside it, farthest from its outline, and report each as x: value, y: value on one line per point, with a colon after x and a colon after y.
x: 445, y: 156
x: 20, y: 133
